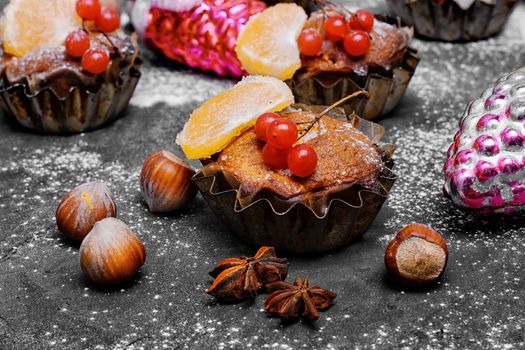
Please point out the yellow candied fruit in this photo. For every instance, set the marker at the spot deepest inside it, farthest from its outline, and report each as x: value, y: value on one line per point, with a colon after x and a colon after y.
x: 219, y: 120
x: 268, y: 43
x: 29, y: 24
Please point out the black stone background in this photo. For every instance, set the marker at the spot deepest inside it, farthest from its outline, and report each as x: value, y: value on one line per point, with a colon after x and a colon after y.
x: 46, y: 303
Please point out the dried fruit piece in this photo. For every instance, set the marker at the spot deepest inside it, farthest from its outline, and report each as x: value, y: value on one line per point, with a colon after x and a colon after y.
x: 290, y: 301
x: 238, y: 279
x: 416, y: 256
x: 29, y: 24
x: 219, y: 120
x: 268, y: 43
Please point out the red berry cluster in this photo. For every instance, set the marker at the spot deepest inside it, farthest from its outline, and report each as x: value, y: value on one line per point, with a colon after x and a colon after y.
x: 78, y: 43
x: 352, y: 32
x: 279, y: 152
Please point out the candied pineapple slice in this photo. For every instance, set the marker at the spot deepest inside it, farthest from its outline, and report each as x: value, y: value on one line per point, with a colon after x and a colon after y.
x: 268, y: 43
x: 219, y: 120
x: 29, y: 24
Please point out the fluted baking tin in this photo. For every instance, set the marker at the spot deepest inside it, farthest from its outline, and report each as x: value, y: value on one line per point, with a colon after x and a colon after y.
x: 386, y: 88
x: 451, y: 21
x: 79, y: 110
x: 329, y: 220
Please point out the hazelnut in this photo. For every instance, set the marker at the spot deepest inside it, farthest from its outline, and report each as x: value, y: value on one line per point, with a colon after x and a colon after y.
x: 111, y: 253
x: 81, y: 208
x: 417, y: 256
x: 165, y: 182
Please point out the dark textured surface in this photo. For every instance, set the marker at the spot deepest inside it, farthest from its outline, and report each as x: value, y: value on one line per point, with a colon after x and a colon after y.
x: 46, y: 303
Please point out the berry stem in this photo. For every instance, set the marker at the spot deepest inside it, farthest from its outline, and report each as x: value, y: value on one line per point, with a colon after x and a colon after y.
x: 113, y: 47
x: 110, y: 41
x: 328, y: 109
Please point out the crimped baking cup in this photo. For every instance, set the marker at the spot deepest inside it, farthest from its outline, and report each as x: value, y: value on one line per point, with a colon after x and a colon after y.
x: 326, y: 220
x: 450, y: 22
x: 386, y: 87
x: 79, y: 110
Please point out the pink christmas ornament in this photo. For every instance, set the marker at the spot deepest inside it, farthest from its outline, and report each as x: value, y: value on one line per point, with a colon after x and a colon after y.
x: 485, y: 166
x: 203, y: 36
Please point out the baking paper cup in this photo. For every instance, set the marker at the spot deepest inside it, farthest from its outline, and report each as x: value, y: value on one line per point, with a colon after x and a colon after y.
x: 314, y: 223
x: 449, y: 22
x: 80, y: 110
x: 386, y: 88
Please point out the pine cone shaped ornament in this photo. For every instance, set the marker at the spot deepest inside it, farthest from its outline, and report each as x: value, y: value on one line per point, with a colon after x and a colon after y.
x: 200, y: 34
x: 485, y: 167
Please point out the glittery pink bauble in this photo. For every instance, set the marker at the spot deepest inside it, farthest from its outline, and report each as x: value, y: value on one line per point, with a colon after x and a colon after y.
x: 485, y: 166
x: 203, y: 37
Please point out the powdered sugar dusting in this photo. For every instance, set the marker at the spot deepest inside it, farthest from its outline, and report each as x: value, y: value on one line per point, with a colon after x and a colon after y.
x: 46, y: 303
x: 175, y: 88
x: 417, y: 197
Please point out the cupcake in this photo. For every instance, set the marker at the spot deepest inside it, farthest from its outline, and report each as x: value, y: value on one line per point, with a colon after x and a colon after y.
x: 305, y: 179
x: 68, y: 70
x: 454, y: 20
x: 332, y: 54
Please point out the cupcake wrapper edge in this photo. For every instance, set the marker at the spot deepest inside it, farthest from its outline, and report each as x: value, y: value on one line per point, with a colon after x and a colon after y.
x: 81, y: 109
x: 326, y: 221
x: 449, y: 22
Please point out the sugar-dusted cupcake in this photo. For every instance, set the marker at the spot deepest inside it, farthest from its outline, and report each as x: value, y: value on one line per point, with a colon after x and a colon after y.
x: 454, y: 20
x: 69, y: 69
x: 331, y: 54
x: 305, y: 179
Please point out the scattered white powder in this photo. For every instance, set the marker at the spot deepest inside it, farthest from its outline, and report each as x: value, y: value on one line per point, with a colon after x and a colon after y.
x: 174, y: 88
x: 160, y: 312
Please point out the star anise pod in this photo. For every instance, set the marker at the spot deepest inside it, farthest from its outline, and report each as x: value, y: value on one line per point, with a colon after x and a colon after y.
x: 290, y: 301
x: 241, y: 278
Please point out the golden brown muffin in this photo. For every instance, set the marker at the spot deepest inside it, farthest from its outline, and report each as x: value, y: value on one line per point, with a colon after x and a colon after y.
x: 51, y: 67
x: 345, y: 156
x: 388, y: 46
x: 48, y: 91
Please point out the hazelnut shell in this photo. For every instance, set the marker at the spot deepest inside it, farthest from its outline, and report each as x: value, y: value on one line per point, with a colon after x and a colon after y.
x: 417, y: 256
x: 166, y: 182
x: 111, y: 253
x: 81, y: 208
